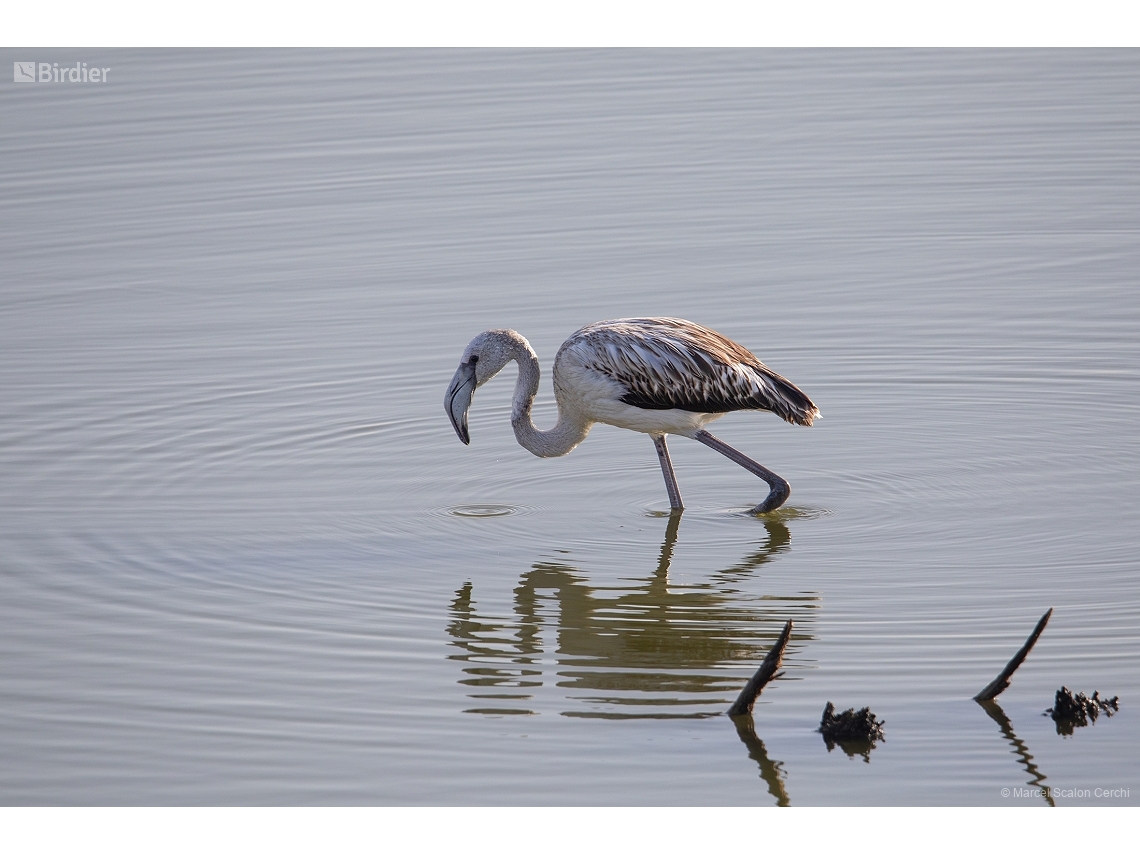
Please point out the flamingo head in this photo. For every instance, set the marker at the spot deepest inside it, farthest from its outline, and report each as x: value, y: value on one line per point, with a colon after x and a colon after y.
x: 484, y: 357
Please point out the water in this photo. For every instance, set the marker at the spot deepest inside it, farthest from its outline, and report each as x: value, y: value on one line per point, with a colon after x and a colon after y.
x: 245, y: 559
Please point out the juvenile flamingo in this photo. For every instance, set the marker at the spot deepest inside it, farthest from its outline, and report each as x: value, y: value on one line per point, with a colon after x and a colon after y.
x: 653, y: 375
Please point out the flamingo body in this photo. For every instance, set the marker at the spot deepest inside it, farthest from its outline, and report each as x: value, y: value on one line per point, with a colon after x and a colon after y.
x: 653, y: 375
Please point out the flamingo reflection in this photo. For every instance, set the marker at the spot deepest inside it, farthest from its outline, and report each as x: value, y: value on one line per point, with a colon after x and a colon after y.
x: 654, y: 649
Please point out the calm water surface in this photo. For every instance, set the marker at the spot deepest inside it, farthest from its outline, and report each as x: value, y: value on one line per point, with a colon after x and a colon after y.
x: 245, y: 560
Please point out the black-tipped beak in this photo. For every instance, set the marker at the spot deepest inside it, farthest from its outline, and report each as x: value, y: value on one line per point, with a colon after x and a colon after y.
x: 458, y: 399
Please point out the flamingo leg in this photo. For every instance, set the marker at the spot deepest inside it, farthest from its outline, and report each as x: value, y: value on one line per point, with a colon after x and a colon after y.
x: 779, y: 489
x: 667, y: 470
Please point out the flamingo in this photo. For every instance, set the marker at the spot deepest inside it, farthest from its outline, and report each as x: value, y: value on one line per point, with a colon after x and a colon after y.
x: 653, y: 375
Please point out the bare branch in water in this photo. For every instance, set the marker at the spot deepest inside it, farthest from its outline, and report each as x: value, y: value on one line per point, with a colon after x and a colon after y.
x: 1001, y: 681
x: 764, y: 675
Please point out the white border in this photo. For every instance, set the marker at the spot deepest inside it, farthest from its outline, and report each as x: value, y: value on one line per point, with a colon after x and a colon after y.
x: 608, y: 23
x: 553, y: 831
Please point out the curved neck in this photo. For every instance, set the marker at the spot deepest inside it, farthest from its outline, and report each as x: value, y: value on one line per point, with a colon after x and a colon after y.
x: 561, y: 439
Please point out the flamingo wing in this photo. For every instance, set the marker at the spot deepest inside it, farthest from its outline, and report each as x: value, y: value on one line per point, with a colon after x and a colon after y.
x: 668, y: 363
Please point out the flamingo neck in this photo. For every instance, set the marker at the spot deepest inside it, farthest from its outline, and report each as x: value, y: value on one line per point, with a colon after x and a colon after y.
x: 571, y: 427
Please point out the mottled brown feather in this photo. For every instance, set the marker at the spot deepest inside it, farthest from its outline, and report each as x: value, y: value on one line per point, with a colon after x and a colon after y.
x: 668, y: 363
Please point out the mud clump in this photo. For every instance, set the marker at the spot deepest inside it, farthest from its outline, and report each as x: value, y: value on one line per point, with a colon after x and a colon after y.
x: 1070, y: 711
x: 854, y: 731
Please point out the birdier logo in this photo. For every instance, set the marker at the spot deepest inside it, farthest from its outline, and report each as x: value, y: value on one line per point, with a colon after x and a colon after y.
x: 51, y: 72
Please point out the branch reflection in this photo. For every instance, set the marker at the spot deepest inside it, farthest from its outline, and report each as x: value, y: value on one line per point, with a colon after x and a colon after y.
x: 771, y: 771
x: 1036, y: 779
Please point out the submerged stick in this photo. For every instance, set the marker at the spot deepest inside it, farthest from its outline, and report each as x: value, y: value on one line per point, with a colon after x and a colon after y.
x: 1001, y: 681
x: 764, y: 675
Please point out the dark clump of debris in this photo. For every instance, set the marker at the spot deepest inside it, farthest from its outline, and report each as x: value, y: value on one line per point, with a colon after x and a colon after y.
x: 1071, y: 710
x: 854, y: 732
